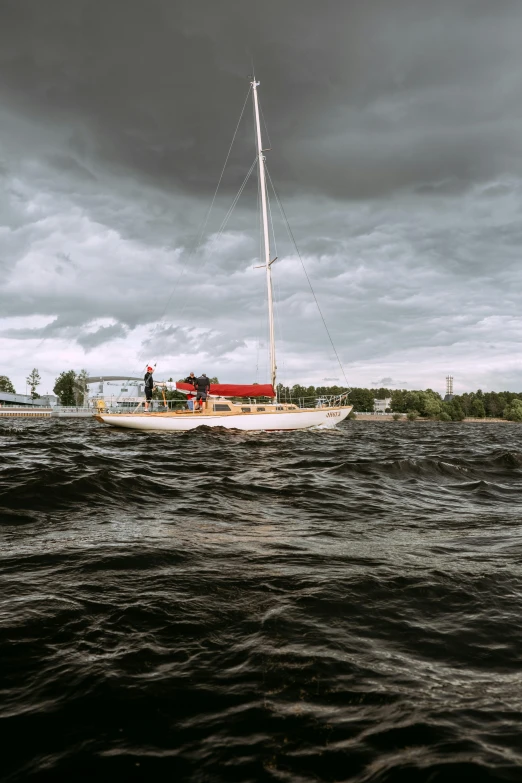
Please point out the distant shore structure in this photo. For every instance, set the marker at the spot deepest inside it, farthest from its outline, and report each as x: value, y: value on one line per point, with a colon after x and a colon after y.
x: 114, y: 389
x: 449, y: 388
x: 6, y: 398
x: 381, y: 406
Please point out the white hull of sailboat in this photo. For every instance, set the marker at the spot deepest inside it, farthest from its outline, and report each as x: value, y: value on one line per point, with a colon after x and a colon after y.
x: 301, y: 419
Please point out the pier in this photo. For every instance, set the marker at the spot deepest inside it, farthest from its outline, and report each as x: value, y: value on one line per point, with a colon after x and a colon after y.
x: 54, y: 412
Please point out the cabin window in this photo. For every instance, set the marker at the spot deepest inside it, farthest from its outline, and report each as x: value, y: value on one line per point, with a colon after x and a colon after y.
x: 221, y: 407
x: 279, y: 408
x: 260, y: 409
x: 245, y: 410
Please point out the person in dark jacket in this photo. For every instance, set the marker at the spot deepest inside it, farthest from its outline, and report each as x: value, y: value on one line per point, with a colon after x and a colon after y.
x: 149, y: 386
x: 191, y: 379
x: 202, y: 389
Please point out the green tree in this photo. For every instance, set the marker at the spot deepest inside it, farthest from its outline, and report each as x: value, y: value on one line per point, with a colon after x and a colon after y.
x: 361, y: 399
x: 33, y: 380
x: 173, y: 394
x: 513, y: 411
x: 432, y: 407
x: 430, y: 403
x: 6, y: 385
x: 412, y: 415
x: 458, y: 414
x: 80, y: 388
x: 477, y: 409
x: 466, y: 401
x: 398, y: 400
x: 300, y: 393
x: 453, y: 409
x: 493, y: 404
x: 170, y: 394
x: 382, y: 393
x: 64, y: 387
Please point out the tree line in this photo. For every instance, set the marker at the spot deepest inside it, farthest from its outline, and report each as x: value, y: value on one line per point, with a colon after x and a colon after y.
x: 33, y: 380
x: 70, y: 387
x: 426, y: 403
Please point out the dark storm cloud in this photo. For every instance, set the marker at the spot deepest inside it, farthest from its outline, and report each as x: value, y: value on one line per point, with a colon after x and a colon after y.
x: 70, y: 328
x: 171, y: 340
x: 361, y: 98
x: 101, y: 336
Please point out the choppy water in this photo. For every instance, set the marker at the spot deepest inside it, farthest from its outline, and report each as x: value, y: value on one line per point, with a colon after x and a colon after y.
x: 213, y: 606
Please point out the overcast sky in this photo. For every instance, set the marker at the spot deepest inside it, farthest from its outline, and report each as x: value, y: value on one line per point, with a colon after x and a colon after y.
x: 396, y: 148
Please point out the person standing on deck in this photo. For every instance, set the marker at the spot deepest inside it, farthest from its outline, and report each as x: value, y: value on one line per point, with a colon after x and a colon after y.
x: 202, y: 389
x: 149, y: 386
x: 191, y: 379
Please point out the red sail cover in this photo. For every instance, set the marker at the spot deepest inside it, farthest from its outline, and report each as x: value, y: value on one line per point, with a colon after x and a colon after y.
x: 234, y: 389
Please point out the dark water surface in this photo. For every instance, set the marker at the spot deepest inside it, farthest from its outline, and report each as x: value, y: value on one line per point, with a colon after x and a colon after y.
x: 217, y: 606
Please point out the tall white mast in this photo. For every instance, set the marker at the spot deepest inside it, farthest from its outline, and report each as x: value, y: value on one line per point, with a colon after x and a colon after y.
x: 268, y: 262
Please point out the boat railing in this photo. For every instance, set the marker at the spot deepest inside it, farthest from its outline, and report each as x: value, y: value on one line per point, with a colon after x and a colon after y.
x: 137, y: 405
x: 155, y: 406
x: 321, y: 401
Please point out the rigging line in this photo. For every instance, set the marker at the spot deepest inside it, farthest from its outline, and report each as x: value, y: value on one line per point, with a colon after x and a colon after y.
x: 264, y: 123
x: 278, y: 323
x: 259, y: 221
x: 271, y: 224
x: 275, y: 284
x: 200, y: 236
x: 236, y: 199
x: 197, y: 245
x: 225, y: 164
x: 291, y: 235
x: 225, y: 221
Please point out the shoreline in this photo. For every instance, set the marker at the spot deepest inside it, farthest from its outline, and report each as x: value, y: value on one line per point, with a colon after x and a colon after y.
x: 389, y: 418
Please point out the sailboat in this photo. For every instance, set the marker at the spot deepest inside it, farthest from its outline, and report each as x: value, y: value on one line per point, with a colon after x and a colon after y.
x: 251, y: 414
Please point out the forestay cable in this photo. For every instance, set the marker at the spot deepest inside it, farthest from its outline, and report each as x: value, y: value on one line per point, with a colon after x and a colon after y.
x: 234, y: 203
x: 201, y: 233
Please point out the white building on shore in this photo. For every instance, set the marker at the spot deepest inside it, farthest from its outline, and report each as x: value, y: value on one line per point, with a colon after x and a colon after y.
x: 114, y: 390
x: 380, y: 406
